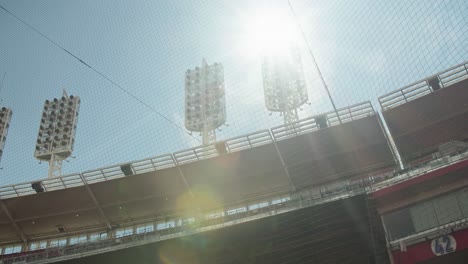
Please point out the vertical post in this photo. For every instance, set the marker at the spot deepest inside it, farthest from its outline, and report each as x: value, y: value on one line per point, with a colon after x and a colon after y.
x: 55, y: 166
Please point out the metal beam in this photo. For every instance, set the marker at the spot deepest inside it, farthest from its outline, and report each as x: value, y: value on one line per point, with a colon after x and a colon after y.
x: 13, y: 222
x: 283, y: 163
x: 182, y: 175
x: 96, y: 203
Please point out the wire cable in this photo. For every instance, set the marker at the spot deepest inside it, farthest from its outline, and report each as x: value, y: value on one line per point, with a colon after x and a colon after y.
x: 1, y: 84
x: 314, y: 60
x: 99, y: 73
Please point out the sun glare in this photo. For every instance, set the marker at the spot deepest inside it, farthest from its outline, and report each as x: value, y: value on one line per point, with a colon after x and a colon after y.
x: 270, y: 32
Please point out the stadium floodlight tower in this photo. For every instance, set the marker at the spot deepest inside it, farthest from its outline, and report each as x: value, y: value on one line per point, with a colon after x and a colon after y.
x: 205, y: 104
x: 57, y: 129
x: 284, y: 83
x: 5, y: 118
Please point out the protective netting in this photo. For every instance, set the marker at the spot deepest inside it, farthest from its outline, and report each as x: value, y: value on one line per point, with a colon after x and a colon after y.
x: 134, y: 56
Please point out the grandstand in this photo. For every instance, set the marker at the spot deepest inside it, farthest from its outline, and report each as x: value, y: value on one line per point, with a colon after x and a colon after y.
x: 300, y: 193
x: 420, y: 117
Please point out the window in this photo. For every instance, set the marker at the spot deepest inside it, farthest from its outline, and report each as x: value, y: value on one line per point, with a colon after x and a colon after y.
x: 463, y: 200
x: 161, y: 226
x: 77, y: 239
x: 170, y: 224
x: 253, y: 206
x: 145, y: 228
x: 61, y: 242
x: 447, y: 209
x: 236, y: 210
x: 165, y: 225
x: 127, y: 231
x: 12, y: 249
x: 97, y: 236
x: 281, y: 200
x: 38, y: 245
x: 214, y: 215
x: 258, y: 205
x: 398, y: 224
x: 103, y: 235
x: 276, y: 201
x: 423, y: 216
x: 426, y: 215
x: 190, y: 220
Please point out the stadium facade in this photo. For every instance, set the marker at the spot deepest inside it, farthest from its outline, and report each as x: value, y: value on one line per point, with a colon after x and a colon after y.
x: 359, y: 185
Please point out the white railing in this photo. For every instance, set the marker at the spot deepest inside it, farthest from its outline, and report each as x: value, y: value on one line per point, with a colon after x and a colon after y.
x: 420, y: 88
x: 140, y: 166
x: 196, y: 154
x: 249, y: 141
x: 309, y: 124
x: 232, y: 145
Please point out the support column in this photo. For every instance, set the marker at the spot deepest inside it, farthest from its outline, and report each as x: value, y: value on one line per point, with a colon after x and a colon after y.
x: 286, y: 171
x: 13, y: 222
x: 55, y: 166
x: 96, y: 203
x: 208, y: 136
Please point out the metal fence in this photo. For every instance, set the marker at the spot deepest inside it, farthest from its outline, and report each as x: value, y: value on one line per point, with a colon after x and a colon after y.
x: 310, y: 124
x: 141, y: 166
x: 420, y: 88
x: 421, y: 169
x: 195, y: 154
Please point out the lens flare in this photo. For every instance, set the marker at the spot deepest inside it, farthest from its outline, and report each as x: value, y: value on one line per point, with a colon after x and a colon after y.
x: 270, y: 32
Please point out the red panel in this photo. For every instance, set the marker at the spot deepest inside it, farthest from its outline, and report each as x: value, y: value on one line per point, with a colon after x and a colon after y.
x: 421, y: 252
x: 426, y: 177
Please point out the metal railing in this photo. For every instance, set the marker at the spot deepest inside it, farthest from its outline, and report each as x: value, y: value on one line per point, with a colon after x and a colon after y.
x: 249, y: 141
x: 195, y: 154
x: 419, y: 170
x: 420, y: 88
x: 161, y: 162
x: 309, y: 124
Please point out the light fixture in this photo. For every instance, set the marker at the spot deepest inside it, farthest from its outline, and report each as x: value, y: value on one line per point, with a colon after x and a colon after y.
x: 5, y: 118
x: 284, y: 83
x: 57, y: 129
x: 205, y: 104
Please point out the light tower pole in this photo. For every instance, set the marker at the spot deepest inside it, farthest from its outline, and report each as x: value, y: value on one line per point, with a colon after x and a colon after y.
x: 205, y: 104
x: 284, y: 83
x: 56, y: 136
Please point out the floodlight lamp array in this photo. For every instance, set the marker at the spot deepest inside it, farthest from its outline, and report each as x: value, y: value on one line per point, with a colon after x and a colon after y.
x: 57, y: 128
x: 205, y: 105
x: 284, y: 82
x: 5, y: 119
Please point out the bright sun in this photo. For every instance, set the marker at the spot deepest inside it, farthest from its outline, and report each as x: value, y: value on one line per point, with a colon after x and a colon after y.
x: 270, y: 32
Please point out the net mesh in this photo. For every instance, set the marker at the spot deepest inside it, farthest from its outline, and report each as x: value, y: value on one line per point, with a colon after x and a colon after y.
x: 127, y: 61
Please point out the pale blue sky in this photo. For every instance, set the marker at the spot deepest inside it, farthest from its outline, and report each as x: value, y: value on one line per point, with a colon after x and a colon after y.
x: 365, y: 49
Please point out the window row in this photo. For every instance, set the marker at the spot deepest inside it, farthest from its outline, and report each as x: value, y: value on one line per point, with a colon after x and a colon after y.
x: 426, y: 215
x: 140, y: 229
